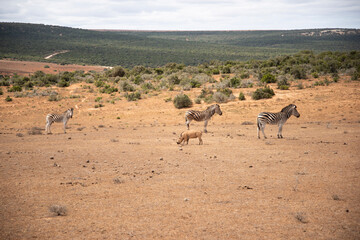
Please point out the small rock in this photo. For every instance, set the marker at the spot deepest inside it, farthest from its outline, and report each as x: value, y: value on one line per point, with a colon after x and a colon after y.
x: 186, y: 199
x: 161, y: 158
x: 51, y: 157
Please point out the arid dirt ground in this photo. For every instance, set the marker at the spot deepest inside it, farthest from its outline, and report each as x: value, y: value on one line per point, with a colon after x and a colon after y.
x: 24, y: 68
x: 120, y: 174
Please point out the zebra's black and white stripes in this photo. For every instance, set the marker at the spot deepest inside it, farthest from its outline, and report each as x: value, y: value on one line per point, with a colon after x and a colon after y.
x: 202, y: 115
x: 276, y: 118
x: 64, y: 118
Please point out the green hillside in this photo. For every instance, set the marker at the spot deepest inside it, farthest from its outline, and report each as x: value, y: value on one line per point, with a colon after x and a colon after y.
x: 130, y: 48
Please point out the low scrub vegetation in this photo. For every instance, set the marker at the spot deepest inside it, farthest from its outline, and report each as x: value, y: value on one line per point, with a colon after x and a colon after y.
x: 133, y: 83
x: 262, y: 93
x: 182, y: 101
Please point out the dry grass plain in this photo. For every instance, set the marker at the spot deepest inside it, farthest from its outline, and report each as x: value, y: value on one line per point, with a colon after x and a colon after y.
x: 120, y: 174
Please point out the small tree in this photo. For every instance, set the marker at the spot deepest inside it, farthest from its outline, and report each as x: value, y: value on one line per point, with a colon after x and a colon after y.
x: 268, y: 78
x: 182, y: 101
x: 261, y: 93
x: 241, y: 96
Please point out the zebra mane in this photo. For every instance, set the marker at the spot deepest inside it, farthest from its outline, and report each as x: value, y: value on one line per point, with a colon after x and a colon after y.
x: 287, y: 108
x: 211, y: 109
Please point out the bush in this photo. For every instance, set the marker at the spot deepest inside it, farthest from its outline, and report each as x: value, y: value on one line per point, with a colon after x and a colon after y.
x: 261, y: 93
x: 8, y: 99
x: 63, y: 83
x: 220, y: 97
x: 54, y: 98
x: 182, y: 101
x: 134, y: 96
x: 268, y: 78
x: 298, y: 72
x: 15, y: 89
x: 315, y: 75
x: 241, y: 96
x: 58, y: 210
x: 283, y: 87
x: 108, y: 89
x: 117, y: 72
x: 1, y: 91
x: 283, y: 83
x: 125, y: 86
x: 235, y: 82
x: 198, y: 100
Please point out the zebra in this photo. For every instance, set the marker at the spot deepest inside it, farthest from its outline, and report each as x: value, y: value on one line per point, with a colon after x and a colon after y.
x: 202, y: 115
x: 276, y: 118
x: 64, y: 118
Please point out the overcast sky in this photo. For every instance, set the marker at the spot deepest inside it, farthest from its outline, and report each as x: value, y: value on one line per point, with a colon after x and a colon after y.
x: 185, y: 15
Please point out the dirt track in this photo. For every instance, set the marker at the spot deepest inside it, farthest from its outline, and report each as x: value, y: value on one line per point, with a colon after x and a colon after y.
x: 127, y: 179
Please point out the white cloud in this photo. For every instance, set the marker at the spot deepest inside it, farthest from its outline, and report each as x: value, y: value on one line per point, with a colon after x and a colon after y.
x: 186, y: 14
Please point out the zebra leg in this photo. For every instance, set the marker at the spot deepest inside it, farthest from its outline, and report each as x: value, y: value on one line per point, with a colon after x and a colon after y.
x: 187, y: 123
x: 262, y: 127
x: 280, y: 131
x: 205, y: 125
x: 65, y: 122
x: 48, y: 127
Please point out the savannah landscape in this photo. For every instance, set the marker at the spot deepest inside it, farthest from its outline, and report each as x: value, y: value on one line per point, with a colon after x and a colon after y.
x: 118, y: 173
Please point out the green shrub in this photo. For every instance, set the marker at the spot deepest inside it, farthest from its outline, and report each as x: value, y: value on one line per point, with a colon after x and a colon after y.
x: 134, y: 96
x: 300, y: 86
x: 220, y: 97
x: 1, y: 91
x: 8, y: 99
x: 283, y: 87
x: 117, y: 72
x: 53, y: 98
x: 235, y: 82
x: 98, y: 99
x: 4, y: 82
x: 355, y: 76
x: 216, y: 71
x: 46, y: 66
x: 63, y: 83
x: 108, y: 89
x: 268, y: 78
x: 315, y: 75
x: 125, y: 86
x: 99, y: 83
x: 241, y: 96
x: 147, y: 86
x: 194, y: 83
x: 99, y: 105
x: 298, y: 72
x: 15, y: 89
x: 244, y: 75
x: 198, y: 100
x: 261, y: 93
x: 182, y: 101
x: 226, y: 91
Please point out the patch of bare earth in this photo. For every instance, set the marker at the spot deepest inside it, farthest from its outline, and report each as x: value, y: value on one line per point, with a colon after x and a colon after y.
x: 119, y: 174
x: 25, y: 68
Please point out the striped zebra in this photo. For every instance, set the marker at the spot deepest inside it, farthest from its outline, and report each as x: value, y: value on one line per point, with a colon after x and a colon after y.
x: 64, y: 118
x: 276, y: 118
x: 202, y: 115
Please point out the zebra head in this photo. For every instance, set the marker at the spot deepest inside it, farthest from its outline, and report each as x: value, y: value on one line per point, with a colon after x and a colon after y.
x: 217, y: 109
x: 291, y: 110
x: 70, y: 112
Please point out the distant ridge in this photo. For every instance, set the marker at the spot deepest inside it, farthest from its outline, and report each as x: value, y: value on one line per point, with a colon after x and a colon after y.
x: 128, y: 48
